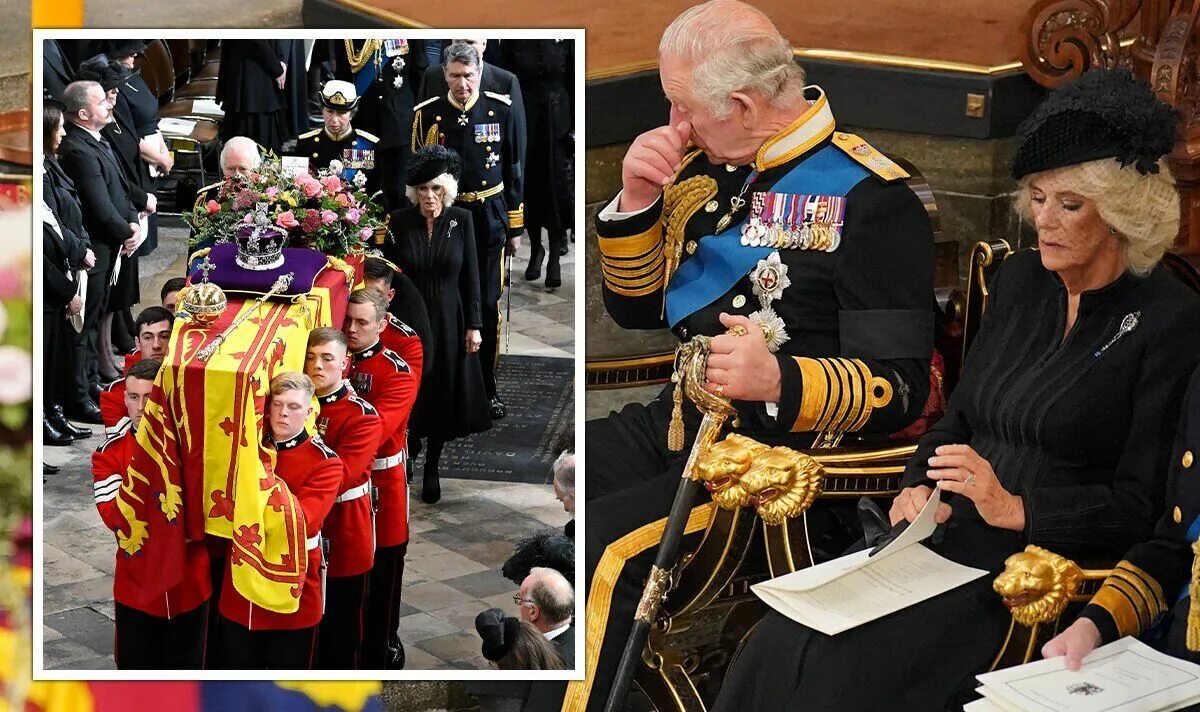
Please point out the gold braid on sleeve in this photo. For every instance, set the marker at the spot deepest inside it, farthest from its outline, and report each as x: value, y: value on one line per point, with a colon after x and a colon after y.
x: 1135, y: 600
x: 838, y: 395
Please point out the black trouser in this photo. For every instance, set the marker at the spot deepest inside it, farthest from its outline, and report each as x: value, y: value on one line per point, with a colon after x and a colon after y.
x: 245, y: 649
x: 383, y: 605
x: 94, y: 309
x: 340, y: 635
x: 634, y: 484
x: 491, y: 269
x: 146, y: 642
x: 56, y: 383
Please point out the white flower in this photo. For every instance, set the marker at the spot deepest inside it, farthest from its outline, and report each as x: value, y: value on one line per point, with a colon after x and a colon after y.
x: 772, y: 327
x: 360, y: 179
x: 16, y: 375
x: 769, y: 279
x: 336, y: 166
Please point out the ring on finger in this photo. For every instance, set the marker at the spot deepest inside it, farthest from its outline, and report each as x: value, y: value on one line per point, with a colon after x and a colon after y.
x: 970, y: 479
x: 719, y: 389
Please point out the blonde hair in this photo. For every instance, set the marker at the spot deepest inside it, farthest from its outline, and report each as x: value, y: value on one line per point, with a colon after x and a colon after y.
x: 734, y: 47
x: 1143, y: 209
x: 292, y: 381
x: 449, y: 187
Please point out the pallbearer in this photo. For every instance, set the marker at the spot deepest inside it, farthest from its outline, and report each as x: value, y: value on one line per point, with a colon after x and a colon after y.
x: 388, y: 383
x: 166, y: 633
x: 251, y: 637
x: 352, y: 428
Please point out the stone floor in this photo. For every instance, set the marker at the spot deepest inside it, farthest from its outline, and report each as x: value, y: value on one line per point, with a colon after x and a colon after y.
x: 455, y: 553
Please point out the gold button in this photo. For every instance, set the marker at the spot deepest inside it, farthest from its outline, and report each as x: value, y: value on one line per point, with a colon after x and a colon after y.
x: 711, y: 206
x: 690, y: 247
x: 730, y: 167
x: 739, y: 301
x: 438, y: 118
x: 483, y: 182
x: 491, y: 113
x: 315, y: 155
x: 1187, y: 458
x: 1177, y: 515
x: 489, y: 149
x: 316, y: 138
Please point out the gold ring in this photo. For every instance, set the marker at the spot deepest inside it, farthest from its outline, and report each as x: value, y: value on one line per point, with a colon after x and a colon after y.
x: 737, y: 330
x: 719, y: 389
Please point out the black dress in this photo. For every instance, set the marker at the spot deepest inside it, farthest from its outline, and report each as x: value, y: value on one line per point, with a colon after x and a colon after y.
x: 452, y: 402
x: 1081, y: 428
x: 254, y: 106
x: 143, y: 111
x: 546, y: 69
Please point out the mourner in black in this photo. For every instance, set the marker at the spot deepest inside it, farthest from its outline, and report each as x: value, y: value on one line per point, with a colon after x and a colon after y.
x: 434, y: 246
x: 70, y: 356
x: 547, y: 72
x: 250, y: 90
x: 56, y: 70
x: 492, y: 78
x: 338, y: 141
x: 386, y: 74
x: 481, y: 127
x: 1060, y: 430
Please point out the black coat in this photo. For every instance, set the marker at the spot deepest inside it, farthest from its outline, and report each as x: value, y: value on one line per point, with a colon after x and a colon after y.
x: 246, y: 81
x: 108, y: 200
x: 63, y: 200
x: 56, y: 266
x: 452, y: 402
x: 1079, y: 427
x: 546, y: 69
x: 56, y: 70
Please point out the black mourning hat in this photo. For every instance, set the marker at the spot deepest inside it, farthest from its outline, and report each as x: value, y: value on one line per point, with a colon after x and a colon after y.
x: 108, y: 72
x: 498, y: 631
x: 430, y: 162
x: 547, y: 549
x: 119, y: 48
x: 1105, y: 113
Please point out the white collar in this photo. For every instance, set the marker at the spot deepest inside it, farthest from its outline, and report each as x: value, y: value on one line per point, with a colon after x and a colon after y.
x: 809, y: 129
x: 552, y: 634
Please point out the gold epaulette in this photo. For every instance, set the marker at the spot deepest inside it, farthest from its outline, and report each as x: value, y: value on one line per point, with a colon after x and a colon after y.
x: 500, y: 97
x: 310, y: 134
x: 837, y: 395
x: 864, y: 153
x: 1132, y: 597
x: 427, y: 102
x: 369, y: 136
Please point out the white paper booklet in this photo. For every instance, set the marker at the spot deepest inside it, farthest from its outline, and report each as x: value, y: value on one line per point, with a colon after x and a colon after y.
x: 178, y: 127
x: 852, y: 590
x: 206, y: 107
x: 1124, y: 676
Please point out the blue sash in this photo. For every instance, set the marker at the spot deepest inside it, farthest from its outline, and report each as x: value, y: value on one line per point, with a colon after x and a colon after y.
x: 364, y: 77
x: 721, y: 260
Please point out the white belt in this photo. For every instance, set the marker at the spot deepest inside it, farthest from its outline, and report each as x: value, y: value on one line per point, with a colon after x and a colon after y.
x: 354, y: 493
x: 384, y: 463
x: 312, y: 542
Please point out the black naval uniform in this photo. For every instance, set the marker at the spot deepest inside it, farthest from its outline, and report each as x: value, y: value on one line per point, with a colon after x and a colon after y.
x: 858, y: 317
x: 356, y: 150
x: 1155, y: 577
x: 485, y: 135
x: 386, y: 80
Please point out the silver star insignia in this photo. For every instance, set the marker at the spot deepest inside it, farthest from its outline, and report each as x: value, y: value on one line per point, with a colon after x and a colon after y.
x: 462, y: 120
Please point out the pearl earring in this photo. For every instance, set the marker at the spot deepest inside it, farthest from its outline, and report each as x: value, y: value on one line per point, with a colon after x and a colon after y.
x: 1112, y: 230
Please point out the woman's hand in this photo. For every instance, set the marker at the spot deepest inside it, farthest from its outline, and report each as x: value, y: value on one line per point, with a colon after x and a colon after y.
x: 75, y: 305
x: 958, y: 468
x: 473, y: 340
x: 1079, y: 639
x: 908, y: 504
x: 740, y: 366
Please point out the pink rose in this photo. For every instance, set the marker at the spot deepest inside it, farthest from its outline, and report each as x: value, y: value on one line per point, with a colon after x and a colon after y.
x: 366, y: 233
x: 16, y: 375
x: 286, y: 220
x: 328, y: 216
x: 332, y: 184
x: 311, y: 189
x: 352, y: 215
x: 272, y: 192
x: 213, y: 207
x: 344, y: 200
x: 248, y: 218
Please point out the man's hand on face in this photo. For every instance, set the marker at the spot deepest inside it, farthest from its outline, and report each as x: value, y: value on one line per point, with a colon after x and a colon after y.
x: 651, y: 163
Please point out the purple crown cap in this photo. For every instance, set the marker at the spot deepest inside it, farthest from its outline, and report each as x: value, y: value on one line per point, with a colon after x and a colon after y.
x: 260, y: 247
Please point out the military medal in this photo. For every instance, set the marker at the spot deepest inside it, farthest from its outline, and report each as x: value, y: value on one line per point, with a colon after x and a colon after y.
x: 795, y: 222
x: 736, y: 203
x: 491, y: 160
x: 322, y: 425
x: 769, y: 279
x: 463, y: 121
x: 772, y: 327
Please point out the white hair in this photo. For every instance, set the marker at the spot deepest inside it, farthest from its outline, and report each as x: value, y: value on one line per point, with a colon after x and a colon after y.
x: 734, y: 47
x: 449, y: 185
x: 552, y: 593
x: 243, y: 145
x: 564, y: 470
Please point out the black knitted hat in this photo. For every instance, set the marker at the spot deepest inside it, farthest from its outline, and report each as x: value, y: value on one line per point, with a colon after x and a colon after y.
x: 108, y: 72
x: 430, y: 162
x: 498, y: 631
x: 1105, y: 113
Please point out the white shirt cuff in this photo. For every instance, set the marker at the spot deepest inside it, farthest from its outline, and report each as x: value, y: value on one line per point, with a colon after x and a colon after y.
x: 610, y: 213
x: 772, y: 409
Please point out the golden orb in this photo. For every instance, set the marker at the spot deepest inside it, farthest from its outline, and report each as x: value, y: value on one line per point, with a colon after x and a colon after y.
x: 204, y: 302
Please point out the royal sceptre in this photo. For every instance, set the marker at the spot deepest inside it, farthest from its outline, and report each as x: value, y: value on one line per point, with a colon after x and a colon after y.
x: 280, y: 285
x: 691, y: 360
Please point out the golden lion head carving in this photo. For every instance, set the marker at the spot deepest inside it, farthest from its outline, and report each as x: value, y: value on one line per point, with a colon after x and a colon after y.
x: 1037, y: 585
x: 782, y: 483
x: 723, y: 465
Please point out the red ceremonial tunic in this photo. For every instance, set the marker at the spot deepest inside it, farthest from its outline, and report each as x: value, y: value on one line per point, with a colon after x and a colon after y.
x: 313, y: 473
x: 112, y: 407
x: 401, y: 338
x: 352, y: 428
x: 109, y: 466
x: 384, y: 379
x: 131, y: 358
